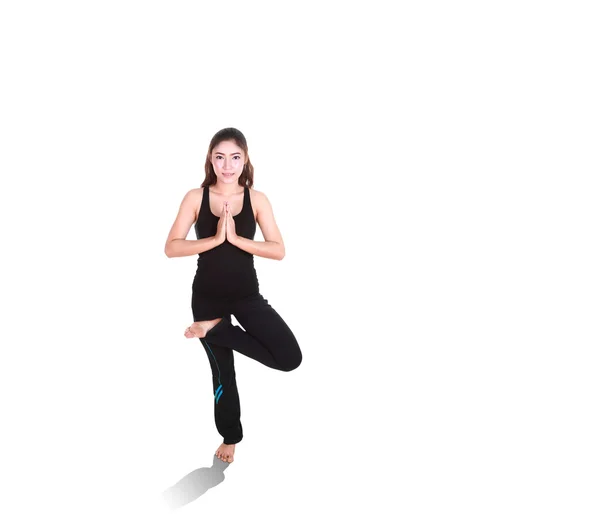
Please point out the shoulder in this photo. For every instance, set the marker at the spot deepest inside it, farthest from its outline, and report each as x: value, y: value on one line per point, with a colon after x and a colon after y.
x: 261, y: 205
x: 194, y: 192
x: 258, y: 197
x: 194, y: 195
x: 193, y: 198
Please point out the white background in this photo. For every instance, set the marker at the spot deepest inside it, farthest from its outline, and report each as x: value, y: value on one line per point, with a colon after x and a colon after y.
x: 432, y: 168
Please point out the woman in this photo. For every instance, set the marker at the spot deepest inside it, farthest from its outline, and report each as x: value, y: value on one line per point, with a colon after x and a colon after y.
x: 226, y: 282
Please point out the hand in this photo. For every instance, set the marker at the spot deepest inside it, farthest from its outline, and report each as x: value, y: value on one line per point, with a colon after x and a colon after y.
x: 221, y: 234
x: 230, y: 232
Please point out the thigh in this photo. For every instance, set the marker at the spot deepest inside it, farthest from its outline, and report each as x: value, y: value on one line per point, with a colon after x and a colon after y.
x: 207, y: 307
x: 260, y: 320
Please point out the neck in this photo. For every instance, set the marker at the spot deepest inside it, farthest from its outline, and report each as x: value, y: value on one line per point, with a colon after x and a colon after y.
x: 226, y: 189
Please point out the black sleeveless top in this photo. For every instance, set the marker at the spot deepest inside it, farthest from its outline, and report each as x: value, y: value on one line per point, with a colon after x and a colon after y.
x: 225, y: 271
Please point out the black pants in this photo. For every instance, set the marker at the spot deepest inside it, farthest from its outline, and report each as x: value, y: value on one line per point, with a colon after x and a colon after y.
x: 265, y: 338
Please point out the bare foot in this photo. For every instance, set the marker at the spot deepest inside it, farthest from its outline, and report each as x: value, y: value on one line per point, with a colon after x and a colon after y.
x: 225, y: 452
x: 200, y: 328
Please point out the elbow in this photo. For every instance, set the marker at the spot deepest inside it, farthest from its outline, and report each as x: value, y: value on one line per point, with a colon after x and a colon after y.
x: 172, y: 250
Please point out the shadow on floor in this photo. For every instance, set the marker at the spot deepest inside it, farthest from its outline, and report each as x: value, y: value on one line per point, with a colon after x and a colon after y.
x: 195, y: 484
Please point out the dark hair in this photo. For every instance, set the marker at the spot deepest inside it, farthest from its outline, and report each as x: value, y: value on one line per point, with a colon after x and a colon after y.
x: 228, y: 134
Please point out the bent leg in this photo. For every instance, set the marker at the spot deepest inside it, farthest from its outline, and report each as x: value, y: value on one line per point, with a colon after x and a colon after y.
x: 266, y: 337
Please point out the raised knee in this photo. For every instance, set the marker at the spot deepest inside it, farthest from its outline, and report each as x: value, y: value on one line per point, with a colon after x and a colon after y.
x: 292, y: 365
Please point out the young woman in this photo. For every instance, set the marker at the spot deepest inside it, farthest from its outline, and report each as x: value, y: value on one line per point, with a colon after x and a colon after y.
x: 224, y: 212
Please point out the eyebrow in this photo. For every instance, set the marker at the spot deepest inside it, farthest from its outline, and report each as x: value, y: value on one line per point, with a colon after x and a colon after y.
x: 234, y: 153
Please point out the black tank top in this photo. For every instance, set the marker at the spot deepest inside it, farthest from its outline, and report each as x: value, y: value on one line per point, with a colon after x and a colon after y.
x: 225, y: 271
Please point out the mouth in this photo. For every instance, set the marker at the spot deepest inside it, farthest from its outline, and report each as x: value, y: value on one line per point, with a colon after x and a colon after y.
x: 228, y: 174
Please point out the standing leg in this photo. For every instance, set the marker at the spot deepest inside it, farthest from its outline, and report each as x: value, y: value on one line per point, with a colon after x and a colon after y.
x: 226, y: 398
x: 225, y: 394
x: 266, y: 338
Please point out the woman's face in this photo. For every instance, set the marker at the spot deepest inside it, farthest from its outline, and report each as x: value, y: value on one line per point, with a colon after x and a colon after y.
x: 228, y: 162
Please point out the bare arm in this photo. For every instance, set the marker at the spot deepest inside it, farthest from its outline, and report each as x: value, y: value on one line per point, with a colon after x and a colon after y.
x: 177, y: 245
x: 272, y: 247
